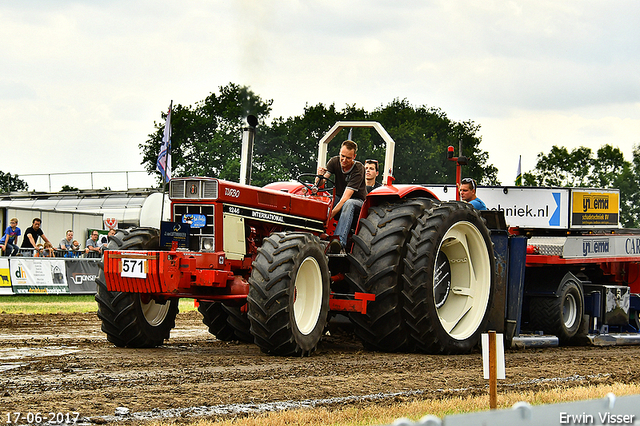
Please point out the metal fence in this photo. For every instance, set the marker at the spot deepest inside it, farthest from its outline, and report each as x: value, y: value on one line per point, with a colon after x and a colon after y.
x: 54, y: 252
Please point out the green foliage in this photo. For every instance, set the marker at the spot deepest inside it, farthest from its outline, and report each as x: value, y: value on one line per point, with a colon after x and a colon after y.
x: 580, y: 168
x: 9, y: 182
x: 562, y: 168
x: 67, y: 188
x: 422, y: 136
x: 206, y: 140
x: 206, y: 137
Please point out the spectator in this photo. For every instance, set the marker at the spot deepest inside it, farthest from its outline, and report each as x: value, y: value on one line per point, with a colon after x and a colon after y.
x: 67, y: 242
x: 38, y: 250
x: 370, y: 174
x: 92, y: 246
x: 10, y: 238
x: 468, y: 193
x: 104, y: 241
x: 32, y: 233
x: 76, y: 248
x: 47, y: 250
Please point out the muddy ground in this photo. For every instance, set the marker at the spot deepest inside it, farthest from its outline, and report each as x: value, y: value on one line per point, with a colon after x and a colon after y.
x: 63, y: 363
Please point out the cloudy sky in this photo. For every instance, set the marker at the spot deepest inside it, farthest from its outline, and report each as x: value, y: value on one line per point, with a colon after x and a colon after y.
x: 83, y: 81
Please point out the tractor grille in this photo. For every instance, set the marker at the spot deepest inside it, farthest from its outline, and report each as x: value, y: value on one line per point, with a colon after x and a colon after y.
x: 193, y: 189
x: 196, y: 235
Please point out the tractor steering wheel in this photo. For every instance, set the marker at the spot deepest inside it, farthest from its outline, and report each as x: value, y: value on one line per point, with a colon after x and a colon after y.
x: 311, y: 187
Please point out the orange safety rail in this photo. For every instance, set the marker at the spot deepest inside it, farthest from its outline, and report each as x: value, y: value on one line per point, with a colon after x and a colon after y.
x: 350, y: 305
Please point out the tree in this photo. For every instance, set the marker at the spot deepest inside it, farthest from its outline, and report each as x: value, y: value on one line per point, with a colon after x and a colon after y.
x: 561, y: 168
x: 422, y: 136
x: 68, y: 188
x: 289, y: 146
x: 206, y: 140
x: 579, y: 168
x: 206, y: 137
x: 9, y: 182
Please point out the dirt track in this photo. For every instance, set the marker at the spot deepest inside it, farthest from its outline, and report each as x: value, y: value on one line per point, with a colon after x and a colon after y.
x: 63, y: 363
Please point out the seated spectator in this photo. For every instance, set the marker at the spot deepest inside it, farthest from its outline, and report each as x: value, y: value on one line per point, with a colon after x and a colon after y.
x: 104, y: 241
x: 92, y: 246
x: 75, y: 249
x: 10, y: 238
x: 67, y: 242
x: 38, y: 250
x: 48, y: 250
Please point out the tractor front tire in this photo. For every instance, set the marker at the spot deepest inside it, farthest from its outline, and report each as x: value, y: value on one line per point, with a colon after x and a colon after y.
x: 289, y: 294
x: 132, y: 319
x: 449, y: 279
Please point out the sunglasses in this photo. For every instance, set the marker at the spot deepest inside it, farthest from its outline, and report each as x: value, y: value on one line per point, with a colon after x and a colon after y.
x: 469, y: 181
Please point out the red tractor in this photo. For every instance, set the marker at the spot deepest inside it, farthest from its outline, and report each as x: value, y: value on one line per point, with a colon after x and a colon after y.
x: 418, y: 273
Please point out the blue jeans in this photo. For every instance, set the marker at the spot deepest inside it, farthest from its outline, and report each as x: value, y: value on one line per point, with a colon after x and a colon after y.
x: 12, y: 250
x: 347, y: 212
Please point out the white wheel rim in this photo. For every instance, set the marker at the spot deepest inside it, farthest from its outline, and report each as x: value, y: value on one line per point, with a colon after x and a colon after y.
x: 464, y: 305
x: 307, y: 302
x: 569, y: 310
x: 155, y: 313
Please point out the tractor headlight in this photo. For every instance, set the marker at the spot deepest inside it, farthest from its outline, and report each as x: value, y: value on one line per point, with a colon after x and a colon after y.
x: 206, y: 244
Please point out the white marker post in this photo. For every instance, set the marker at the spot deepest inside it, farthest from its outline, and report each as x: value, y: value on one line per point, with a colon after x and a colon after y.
x: 493, y: 364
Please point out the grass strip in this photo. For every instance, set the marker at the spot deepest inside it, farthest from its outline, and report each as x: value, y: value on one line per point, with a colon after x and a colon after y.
x: 56, y: 304
x: 381, y: 414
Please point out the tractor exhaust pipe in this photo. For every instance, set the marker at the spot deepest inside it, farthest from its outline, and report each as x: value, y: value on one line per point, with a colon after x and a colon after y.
x: 246, y: 154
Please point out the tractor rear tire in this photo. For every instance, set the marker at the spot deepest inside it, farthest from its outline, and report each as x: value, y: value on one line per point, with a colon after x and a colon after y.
x: 377, y: 267
x: 132, y: 319
x: 561, y: 316
x: 289, y: 294
x: 449, y: 279
x: 225, y: 322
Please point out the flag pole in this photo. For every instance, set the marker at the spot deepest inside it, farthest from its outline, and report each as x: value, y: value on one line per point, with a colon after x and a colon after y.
x: 166, y: 149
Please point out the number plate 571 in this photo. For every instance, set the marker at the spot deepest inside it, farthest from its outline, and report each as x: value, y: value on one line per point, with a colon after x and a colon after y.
x: 134, y: 268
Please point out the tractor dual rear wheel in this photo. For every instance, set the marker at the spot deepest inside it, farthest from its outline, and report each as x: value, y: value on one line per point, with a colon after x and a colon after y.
x: 132, y: 319
x: 449, y: 279
x: 377, y: 266
x: 227, y: 323
x: 289, y: 294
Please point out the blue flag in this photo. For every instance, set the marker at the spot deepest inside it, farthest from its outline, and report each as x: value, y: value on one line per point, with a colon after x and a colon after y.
x: 164, y: 158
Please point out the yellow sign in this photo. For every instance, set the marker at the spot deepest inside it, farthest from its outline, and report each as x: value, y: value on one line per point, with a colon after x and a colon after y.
x: 590, y: 208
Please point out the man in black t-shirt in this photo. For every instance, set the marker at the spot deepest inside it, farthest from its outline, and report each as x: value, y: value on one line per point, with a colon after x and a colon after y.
x: 32, y: 233
x: 350, y: 187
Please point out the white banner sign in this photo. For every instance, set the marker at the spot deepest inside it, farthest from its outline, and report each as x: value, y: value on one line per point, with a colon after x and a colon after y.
x: 38, y: 275
x: 524, y: 207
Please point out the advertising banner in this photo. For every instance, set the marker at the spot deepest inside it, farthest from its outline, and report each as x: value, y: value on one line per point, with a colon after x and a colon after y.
x: 81, y: 275
x: 174, y: 231
x: 38, y: 276
x: 5, y: 277
x: 594, y: 208
x: 526, y: 207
